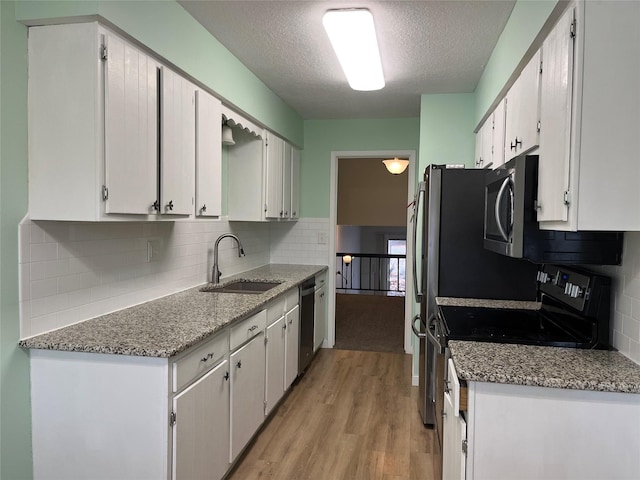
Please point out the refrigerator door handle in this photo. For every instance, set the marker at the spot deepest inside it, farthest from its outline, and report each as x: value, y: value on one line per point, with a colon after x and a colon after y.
x: 418, y: 333
x: 416, y: 213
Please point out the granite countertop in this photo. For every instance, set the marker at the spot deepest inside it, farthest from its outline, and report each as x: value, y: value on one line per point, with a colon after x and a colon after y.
x: 171, y: 324
x: 571, y: 368
x: 486, y: 303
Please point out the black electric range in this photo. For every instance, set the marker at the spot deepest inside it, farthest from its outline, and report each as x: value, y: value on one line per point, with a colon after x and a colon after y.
x: 574, y: 313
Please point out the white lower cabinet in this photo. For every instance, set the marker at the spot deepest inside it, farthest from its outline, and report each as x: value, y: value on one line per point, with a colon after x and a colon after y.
x: 530, y: 432
x: 274, y: 387
x: 320, y: 317
x: 454, y: 428
x: 247, y: 392
x: 291, y: 346
x: 201, y: 429
x: 185, y: 417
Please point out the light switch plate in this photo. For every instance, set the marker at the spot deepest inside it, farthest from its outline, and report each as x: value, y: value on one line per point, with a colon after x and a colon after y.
x: 322, y: 238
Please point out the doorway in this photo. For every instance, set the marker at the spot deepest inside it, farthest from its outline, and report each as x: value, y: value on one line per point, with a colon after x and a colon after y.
x: 369, y: 289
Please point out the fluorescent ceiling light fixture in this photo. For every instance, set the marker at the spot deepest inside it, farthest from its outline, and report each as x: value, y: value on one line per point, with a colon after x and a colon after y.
x: 353, y: 37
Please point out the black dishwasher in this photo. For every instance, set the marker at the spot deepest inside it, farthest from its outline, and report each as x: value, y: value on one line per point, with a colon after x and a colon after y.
x: 307, y: 310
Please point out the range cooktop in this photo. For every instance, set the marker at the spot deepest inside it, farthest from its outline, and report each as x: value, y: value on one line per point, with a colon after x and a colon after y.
x: 574, y: 313
x: 532, y: 327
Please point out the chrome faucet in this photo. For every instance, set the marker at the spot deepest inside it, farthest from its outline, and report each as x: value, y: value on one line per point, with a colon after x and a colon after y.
x: 215, y: 274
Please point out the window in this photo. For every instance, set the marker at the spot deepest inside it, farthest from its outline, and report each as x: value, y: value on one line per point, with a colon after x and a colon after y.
x: 396, y: 269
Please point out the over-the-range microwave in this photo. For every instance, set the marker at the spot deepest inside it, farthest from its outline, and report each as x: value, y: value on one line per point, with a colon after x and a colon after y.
x: 511, y: 227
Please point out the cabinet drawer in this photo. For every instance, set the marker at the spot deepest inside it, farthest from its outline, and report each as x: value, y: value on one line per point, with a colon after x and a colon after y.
x: 199, y: 359
x: 248, y: 328
x: 291, y: 299
x: 275, y: 310
x: 321, y: 279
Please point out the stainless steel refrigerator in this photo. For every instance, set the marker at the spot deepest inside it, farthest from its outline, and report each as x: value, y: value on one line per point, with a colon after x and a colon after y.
x: 451, y: 261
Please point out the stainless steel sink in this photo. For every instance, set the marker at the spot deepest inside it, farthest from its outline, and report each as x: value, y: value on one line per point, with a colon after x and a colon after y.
x: 241, y: 286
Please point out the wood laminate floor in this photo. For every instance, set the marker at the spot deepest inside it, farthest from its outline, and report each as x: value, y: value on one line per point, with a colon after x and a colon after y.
x: 352, y: 416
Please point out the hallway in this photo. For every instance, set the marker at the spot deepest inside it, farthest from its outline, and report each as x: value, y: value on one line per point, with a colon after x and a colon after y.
x: 353, y: 415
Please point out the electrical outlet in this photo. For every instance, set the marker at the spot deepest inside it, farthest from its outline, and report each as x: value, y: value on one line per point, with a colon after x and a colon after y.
x: 322, y: 238
x: 154, y: 249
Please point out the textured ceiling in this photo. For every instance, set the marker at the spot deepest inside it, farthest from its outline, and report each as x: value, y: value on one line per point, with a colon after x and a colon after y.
x: 428, y: 46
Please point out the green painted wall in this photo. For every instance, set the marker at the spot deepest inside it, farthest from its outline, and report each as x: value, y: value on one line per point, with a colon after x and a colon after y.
x: 525, y: 22
x: 446, y: 129
x: 15, y: 431
x: 321, y: 137
x: 169, y: 30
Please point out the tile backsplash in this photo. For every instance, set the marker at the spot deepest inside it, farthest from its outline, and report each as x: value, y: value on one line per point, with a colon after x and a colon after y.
x: 626, y: 298
x: 71, y: 271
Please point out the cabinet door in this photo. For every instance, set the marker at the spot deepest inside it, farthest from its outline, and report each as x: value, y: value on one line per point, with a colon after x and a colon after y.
x: 131, y: 129
x: 274, y: 385
x: 247, y: 393
x: 201, y: 431
x: 487, y: 142
x: 292, y: 346
x: 295, y: 183
x: 497, y: 142
x: 522, y: 111
x: 177, y: 155
x: 555, y: 120
x: 208, y: 155
x: 319, y: 317
x: 273, y: 177
x: 454, y: 434
x: 286, y: 181
x: 478, y: 158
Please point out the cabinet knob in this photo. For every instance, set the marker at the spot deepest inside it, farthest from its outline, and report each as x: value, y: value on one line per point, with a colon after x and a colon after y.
x: 155, y: 205
x: 239, y: 364
x: 170, y: 205
x: 286, y: 214
x: 294, y: 214
x: 226, y: 376
x: 208, y: 357
x: 204, y: 208
x: 252, y: 328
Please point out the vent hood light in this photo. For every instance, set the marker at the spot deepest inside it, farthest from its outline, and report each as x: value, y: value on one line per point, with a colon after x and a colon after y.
x: 353, y: 37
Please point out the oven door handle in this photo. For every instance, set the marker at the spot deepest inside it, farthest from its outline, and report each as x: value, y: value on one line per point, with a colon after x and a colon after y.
x: 418, y: 333
x: 431, y: 337
x: 435, y: 341
x: 498, y: 206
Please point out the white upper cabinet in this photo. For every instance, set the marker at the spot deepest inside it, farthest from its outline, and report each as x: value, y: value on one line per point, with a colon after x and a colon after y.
x: 555, y: 120
x: 274, y: 176
x: 208, y: 155
x: 111, y: 130
x: 295, y: 183
x: 92, y: 125
x: 177, y: 154
x: 263, y: 178
x: 590, y: 176
x: 131, y: 128
x: 522, y: 111
x: 497, y: 139
x: 490, y: 140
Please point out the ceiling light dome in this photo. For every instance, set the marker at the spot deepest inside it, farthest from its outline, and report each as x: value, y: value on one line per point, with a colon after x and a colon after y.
x: 396, y: 165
